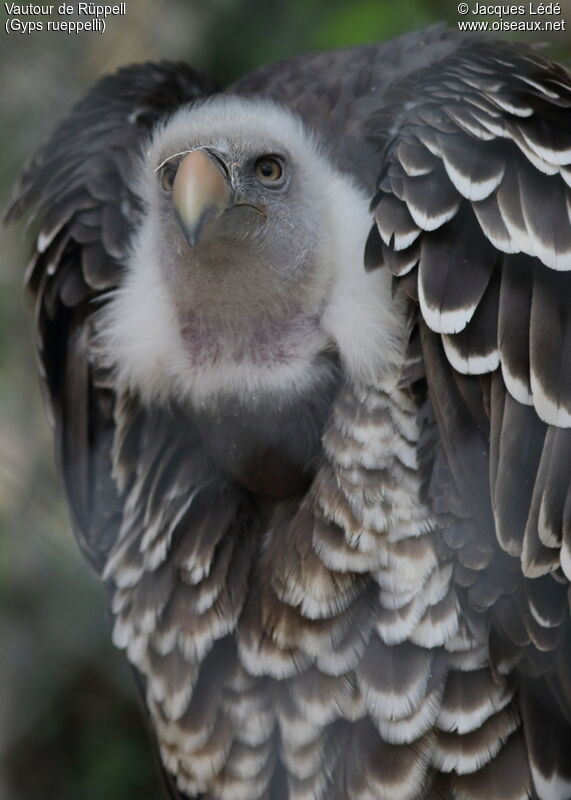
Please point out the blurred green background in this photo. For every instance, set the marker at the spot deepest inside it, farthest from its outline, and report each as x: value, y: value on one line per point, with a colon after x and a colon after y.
x: 70, y: 727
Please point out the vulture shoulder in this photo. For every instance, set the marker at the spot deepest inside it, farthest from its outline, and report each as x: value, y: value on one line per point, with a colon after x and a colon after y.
x: 472, y: 214
x: 81, y: 186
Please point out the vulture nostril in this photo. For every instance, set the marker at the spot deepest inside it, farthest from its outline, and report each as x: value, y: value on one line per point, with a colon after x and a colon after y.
x: 220, y: 161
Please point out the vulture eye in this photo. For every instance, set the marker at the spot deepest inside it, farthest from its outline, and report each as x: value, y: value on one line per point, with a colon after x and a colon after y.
x: 269, y: 170
x: 168, y: 174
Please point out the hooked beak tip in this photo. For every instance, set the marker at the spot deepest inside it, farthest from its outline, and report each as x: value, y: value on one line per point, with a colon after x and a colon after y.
x: 191, y: 232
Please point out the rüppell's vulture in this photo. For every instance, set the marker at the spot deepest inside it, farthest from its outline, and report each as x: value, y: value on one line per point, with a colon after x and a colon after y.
x: 306, y: 343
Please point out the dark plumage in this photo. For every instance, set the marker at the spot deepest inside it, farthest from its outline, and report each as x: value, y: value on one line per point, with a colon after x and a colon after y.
x: 312, y: 408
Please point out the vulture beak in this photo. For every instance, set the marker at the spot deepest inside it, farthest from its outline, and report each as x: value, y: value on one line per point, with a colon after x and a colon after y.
x: 200, y: 192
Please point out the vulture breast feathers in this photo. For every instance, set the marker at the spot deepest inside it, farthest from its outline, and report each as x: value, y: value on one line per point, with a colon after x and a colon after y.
x: 306, y: 345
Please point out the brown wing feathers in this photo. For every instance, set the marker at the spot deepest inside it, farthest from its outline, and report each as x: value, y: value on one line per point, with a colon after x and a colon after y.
x: 340, y: 643
x: 474, y: 204
x: 458, y: 186
x: 81, y: 187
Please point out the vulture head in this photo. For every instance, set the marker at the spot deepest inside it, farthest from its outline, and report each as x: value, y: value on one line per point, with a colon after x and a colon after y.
x: 240, y: 195
x: 247, y: 260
